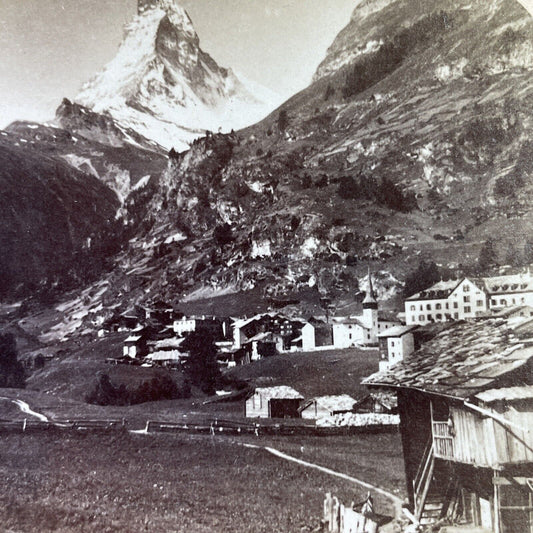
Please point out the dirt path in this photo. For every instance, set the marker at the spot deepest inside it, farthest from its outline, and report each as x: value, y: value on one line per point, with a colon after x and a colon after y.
x: 397, y: 502
x: 25, y: 408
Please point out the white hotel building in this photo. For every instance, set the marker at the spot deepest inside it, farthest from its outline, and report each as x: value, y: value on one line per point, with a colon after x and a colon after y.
x: 465, y: 298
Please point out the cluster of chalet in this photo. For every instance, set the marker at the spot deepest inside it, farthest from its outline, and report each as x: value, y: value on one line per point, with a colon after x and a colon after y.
x: 156, y: 334
x: 468, y: 298
x: 465, y: 399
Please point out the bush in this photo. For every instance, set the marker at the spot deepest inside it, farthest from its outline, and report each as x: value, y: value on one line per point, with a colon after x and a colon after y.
x: 201, y: 367
x: 160, y: 387
x: 11, y: 369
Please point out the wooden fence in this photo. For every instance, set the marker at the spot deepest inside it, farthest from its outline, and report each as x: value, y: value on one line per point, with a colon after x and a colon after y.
x: 341, y: 519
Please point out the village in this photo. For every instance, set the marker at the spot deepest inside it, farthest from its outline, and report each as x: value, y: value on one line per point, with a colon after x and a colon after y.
x: 455, y: 375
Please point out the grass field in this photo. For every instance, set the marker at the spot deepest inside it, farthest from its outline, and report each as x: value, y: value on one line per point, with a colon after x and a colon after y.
x: 314, y: 373
x: 111, y: 482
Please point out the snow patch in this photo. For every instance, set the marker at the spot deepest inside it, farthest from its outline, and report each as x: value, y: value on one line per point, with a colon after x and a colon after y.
x: 177, y: 237
x: 309, y: 247
x: 261, y: 249
x: 142, y: 183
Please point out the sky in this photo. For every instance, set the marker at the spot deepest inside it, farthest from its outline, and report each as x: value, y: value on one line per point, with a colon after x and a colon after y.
x: 51, y: 47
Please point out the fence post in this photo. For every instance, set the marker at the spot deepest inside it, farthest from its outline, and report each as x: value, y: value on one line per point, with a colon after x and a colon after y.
x: 328, y: 511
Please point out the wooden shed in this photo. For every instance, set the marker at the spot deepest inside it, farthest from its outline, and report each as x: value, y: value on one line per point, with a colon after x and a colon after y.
x: 466, y: 420
x: 274, y: 402
x: 325, y: 406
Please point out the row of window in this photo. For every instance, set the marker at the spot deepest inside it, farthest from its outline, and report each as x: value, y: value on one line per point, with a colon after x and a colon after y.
x: 438, y: 316
x: 438, y: 306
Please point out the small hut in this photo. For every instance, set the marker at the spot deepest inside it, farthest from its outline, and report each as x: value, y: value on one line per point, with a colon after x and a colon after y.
x: 274, y: 402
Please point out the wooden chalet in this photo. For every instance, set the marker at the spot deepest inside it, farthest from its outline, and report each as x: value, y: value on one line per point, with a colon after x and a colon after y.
x: 273, y: 402
x: 466, y: 420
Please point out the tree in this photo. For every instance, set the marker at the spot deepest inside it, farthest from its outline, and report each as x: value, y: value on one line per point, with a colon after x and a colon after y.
x: 283, y: 120
x: 426, y: 275
x: 223, y: 234
x: 201, y: 367
x: 11, y: 369
x: 487, y: 256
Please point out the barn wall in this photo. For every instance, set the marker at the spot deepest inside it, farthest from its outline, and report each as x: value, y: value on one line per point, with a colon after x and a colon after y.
x: 415, y: 430
x: 483, y: 441
x: 312, y: 412
x: 257, y: 407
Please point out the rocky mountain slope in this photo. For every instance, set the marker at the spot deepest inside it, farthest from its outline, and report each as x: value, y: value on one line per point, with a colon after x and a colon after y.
x: 164, y: 86
x: 414, y: 140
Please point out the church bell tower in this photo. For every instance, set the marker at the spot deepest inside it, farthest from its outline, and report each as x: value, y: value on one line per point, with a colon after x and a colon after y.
x: 370, y: 312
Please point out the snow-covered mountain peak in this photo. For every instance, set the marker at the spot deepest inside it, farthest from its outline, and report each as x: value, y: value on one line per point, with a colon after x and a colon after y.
x: 162, y: 84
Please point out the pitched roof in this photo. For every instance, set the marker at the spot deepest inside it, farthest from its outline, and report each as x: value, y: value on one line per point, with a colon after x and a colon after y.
x: 508, y: 394
x: 282, y: 392
x: 397, y: 331
x: 333, y: 404
x: 522, y: 282
x: 462, y: 360
x: 441, y: 289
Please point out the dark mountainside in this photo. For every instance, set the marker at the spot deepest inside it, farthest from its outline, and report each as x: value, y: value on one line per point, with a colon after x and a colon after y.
x: 412, y: 141
x: 62, y: 192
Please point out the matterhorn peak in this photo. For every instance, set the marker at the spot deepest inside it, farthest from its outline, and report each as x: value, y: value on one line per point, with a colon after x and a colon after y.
x: 164, y: 86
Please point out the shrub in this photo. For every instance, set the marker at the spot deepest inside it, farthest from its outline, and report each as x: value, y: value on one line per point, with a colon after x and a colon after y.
x: 11, y: 369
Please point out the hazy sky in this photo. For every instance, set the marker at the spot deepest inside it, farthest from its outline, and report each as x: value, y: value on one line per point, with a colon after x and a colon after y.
x: 50, y: 47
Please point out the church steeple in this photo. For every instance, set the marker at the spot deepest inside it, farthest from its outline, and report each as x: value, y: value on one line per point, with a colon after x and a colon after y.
x: 370, y: 313
x: 370, y: 301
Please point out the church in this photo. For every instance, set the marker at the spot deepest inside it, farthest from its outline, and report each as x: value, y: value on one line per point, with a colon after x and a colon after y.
x: 361, y: 330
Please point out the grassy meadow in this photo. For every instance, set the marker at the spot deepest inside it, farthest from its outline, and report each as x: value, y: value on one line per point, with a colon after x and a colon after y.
x: 123, y: 482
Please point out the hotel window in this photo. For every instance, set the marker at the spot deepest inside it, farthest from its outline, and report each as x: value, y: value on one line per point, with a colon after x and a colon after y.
x: 466, y: 299
x: 428, y: 307
x: 455, y: 305
x: 447, y: 305
x: 493, y: 302
x: 421, y: 318
x: 503, y: 302
x: 439, y: 316
x: 467, y: 309
x: 479, y: 303
x: 413, y: 308
x: 438, y: 306
x: 466, y: 288
x: 456, y: 315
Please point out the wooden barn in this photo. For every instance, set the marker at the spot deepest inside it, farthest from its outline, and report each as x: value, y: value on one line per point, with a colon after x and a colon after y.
x: 466, y: 420
x: 326, y: 406
x: 274, y: 402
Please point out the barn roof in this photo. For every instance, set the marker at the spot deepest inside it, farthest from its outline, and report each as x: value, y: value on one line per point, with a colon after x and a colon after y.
x: 168, y: 343
x: 462, y: 360
x: 167, y: 355
x: 280, y: 392
x: 133, y: 338
x: 508, y: 394
x: 333, y: 404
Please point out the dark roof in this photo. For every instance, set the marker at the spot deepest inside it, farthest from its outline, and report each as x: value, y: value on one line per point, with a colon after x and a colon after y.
x: 462, y: 360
